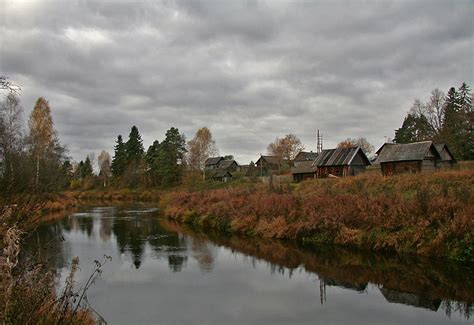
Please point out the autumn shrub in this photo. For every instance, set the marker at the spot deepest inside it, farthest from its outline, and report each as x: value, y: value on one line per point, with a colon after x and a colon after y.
x: 427, y: 213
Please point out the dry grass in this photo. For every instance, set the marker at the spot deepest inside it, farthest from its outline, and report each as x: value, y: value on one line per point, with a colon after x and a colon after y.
x: 429, y: 214
x: 27, y: 294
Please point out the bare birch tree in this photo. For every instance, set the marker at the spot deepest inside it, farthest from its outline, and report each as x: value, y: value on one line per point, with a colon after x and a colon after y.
x: 201, y: 147
x: 42, y: 135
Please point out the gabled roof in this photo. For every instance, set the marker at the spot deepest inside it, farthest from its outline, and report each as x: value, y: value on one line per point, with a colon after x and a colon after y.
x: 213, y: 161
x: 339, y: 157
x: 221, y: 173
x: 305, y: 155
x: 269, y: 159
x: 224, y: 164
x: 304, y: 167
x: 405, y: 152
x: 444, y: 152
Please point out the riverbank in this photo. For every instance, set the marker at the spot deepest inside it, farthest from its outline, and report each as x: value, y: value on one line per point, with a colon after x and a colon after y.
x: 427, y: 214
x: 27, y: 289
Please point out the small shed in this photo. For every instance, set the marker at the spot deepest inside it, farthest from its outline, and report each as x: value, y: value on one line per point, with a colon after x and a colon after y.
x: 303, y: 156
x: 304, y: 170
x: 409, y: 157
x: 341, y: 162
x: 212, y: 163
x: 447, y: 158
x: 222, y: 175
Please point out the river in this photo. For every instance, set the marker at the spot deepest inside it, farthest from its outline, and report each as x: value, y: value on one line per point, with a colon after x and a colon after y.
x: 163, y: 273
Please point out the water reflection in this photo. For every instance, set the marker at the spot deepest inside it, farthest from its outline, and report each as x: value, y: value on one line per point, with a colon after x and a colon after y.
x: 140, y: 243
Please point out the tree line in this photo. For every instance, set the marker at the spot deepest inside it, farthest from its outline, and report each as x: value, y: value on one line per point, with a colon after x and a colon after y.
x: 443, y: 119
x: 33, y: 159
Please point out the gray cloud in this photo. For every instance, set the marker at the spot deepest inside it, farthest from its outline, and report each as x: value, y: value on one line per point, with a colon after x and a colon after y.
x: 250, y: 70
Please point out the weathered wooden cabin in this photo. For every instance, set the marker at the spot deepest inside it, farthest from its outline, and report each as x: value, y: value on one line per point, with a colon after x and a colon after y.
x: 304, y: 156
x: 268, y: 164
x: 229, y: 165
x: 447, y: 158
x: 222, y: 175
x: 410, y: 157
x: 304, y: 170
x: 341, y: 162
x: 212, y: 163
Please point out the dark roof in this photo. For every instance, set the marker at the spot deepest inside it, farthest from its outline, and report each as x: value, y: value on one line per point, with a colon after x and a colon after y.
x: 405, y: 152
x: 338, y: 157
x: 273, y: 160
x: 224, y: 164
x: 444, y: 152
x: 304, y: 167
x: 269, y: 159
x: 221, y: 173
x: 305, y: 155
x: 213, y: 161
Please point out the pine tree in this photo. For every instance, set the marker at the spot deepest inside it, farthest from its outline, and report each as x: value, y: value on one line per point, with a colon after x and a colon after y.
x: 153, y: 162
x: 134, y: 146
x: 87, y: 170
x: 171, y: 157
x: 120, y: 158
x: 414, y: 129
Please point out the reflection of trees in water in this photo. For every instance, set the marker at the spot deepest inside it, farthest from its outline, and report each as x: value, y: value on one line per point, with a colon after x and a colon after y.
x: 408, y: 280
x: 45, y: 245
x: 105, y: 229
x: 202, y: 253
x: 176, y: 262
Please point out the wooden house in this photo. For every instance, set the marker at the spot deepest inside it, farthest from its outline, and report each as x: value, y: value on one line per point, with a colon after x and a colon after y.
x: 304, y: 156
x: 340, y: 162
x: 409, y: 157
x: 221, y: 175
x: 447, y: 159
x: 229, y: 165
x: 212, y: 163
x: 304, y: 170
x: 268, y: 164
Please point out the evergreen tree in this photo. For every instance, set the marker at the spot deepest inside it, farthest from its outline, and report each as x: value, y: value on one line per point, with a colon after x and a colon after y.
x: 119, y: 161
x: 414, y: 129
x: 87, y: 170
x: 134, y: 146
x: 153, y: 162
x: 171, y: 157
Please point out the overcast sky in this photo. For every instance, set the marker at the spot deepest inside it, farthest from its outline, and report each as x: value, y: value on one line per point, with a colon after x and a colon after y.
x: 249, y: 70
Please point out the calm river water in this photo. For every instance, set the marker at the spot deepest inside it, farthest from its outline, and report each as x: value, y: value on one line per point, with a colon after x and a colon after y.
x: 162, y: 273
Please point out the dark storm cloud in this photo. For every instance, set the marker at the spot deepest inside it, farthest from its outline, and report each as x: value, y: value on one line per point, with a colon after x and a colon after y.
x: 249, y: 70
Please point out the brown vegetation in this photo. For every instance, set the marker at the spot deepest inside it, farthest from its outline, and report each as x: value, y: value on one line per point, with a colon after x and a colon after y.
x: 27, y: 294
x: 428, y: 214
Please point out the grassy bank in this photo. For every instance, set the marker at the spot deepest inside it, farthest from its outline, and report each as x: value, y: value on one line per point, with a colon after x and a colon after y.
x: 27, y: 289
x: 429, y: 214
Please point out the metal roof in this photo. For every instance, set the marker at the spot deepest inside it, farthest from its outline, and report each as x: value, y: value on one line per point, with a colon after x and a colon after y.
x: 338, y: 157
x: 405, y: 152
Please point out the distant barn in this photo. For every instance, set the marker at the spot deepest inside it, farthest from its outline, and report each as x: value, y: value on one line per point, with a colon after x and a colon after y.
x: 340, y: 162
x: 410, y: 157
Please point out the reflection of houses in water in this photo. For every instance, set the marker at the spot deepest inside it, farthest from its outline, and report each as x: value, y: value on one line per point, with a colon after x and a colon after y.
x: 410, y: 299
x: 359, y: 287
x: 324, y: 281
